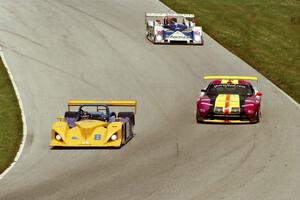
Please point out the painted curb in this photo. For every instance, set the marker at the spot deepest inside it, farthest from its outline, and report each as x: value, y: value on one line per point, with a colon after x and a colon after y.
x: 270, y: 82
x: 18, y: 155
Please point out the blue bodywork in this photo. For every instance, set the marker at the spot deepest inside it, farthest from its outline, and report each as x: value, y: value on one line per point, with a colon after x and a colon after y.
x: 177, y: 27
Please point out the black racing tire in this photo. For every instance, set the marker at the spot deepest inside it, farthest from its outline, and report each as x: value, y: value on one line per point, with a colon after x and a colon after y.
x: 71, y: 114
x: 256, y: 118
x: 123, y: 141
x: 198, y: 119
x: 202, y: 41
x: 127, y: 126
x: 130, y: 115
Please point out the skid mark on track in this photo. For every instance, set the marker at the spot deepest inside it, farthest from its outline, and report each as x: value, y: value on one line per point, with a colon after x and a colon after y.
x: 91, y: 16
x: 101, y: 35
x: 23, y: 37
x: 50, y: 66
x: 83, y: 79
x: 223, y: 182
x: 177, y: 150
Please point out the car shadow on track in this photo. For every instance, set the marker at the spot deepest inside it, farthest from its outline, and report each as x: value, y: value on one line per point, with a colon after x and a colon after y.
x: 227, y: 124
x: 84, y: 148
x: 92, y: 148
x: 172, y: 43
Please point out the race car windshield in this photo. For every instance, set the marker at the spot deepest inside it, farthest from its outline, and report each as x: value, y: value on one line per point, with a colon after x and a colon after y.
x: 94, y: 110
x: 243, y: 90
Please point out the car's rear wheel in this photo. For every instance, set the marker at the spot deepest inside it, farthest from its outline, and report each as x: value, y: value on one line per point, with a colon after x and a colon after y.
x: 71, y: 114
x: 128, y: 126
x: 129, y: 115
x: 123, y: 135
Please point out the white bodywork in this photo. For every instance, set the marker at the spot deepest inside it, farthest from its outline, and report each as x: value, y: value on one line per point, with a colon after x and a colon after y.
x: 156, y: 27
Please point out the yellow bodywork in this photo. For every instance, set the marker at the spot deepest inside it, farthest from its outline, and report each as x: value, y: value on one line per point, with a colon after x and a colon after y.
x: 251, y: 78
x: 222, y: 121
x: 227, y: 102
x: 226, y: 81
x: 87, y: 133
x: 131, y: 103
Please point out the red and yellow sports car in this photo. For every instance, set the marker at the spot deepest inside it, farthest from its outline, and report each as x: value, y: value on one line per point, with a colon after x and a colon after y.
x: 94, y: 124
x: 229, y: 99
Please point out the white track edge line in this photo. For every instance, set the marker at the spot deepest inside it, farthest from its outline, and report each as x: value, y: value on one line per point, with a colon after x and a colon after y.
x: 21, y: 147
x: 275, y: 86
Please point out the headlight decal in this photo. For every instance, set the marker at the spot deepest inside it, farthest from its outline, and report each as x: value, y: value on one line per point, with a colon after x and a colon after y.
x: 58, y: 137
x: 114, y: 137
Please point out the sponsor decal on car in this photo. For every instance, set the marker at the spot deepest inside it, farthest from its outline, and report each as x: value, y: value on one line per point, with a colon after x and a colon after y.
x: 97, y: 137
x: 74, y: 138
x: 178, y: 35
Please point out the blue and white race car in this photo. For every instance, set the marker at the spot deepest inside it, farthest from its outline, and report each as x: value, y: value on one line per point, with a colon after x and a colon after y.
x: 169, y: 28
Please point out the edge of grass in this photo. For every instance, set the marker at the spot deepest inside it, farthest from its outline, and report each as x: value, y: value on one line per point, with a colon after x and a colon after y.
x: 11, y: 126
x: 265, y: 34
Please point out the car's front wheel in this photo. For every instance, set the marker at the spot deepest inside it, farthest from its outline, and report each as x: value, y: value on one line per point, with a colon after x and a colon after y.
x: 198, y: 118
x: 258, y: 116
x: 202, y: 41
x: 256, y: 119
x: 123, y: 136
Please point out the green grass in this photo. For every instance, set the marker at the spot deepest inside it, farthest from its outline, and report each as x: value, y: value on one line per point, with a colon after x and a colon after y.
x: 10, y: 121
x: 264, y: 33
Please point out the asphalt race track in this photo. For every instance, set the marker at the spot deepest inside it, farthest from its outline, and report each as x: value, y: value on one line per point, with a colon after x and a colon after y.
x: 59, y: 50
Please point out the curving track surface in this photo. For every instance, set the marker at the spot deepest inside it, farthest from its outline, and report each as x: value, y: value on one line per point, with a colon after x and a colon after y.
x: 60, y: 49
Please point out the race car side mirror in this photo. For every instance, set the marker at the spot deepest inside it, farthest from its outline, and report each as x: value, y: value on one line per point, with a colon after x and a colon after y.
x: 259, y: 94
x: 60, y: 118
x: 202, y: 93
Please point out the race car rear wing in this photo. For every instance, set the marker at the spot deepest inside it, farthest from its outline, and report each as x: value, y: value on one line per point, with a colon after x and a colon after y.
x: 192, y: 16
x: 251, y: 78
x: 131, y: 103
x: 169, y: 15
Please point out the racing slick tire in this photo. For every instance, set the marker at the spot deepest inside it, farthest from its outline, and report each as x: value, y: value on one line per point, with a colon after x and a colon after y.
x: 202, y: 41
x: 256, y: 118
x: 198, y: 118
x: 130, y: 115
x: 71, y: 114
x: 123, y: 136
x: 127, y: 129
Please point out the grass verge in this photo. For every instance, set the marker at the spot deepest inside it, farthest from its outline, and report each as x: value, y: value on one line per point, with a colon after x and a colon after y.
x: 264, y: 33
x: 10, y: 121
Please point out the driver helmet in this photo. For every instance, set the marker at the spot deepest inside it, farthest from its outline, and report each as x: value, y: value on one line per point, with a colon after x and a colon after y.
x: 85, y: 115
x: 169, y: 20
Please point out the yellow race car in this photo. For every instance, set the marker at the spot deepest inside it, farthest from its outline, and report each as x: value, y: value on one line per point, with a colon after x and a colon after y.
x: 93, y: 124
